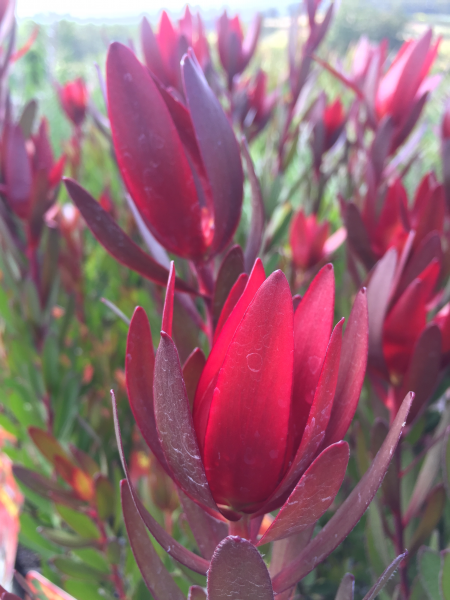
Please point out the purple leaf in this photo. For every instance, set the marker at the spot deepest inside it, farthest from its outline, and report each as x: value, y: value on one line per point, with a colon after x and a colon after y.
x: 196, y: 593
x: 256, y: 229
x: 167, y: 316
x: 357, y: 235
x: 18, y: 173
x: 219, y: 150
x: 284, y: 552
x: 238, y: 571
x: 312, y: 495
x: 139, y: 369
x: 378, y: 295
x: 350, y: 511
x: 352, y: 368
x: 171, y: 546
x: 207, y: 531
x: 115, y: 240
x: 156, y: 576
x: 175, y: 425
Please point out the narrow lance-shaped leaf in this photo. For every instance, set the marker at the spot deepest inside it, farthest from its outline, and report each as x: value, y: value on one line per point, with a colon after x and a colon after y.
x: 238, y: 571
x: 232, y: 266
x: 429, y: 563
x: 155, y: 575
x: 115, y: 240
x: 313, y: 494
x: 255, y: 235
x: 170, y: 545
x: 346, y: 588
x: 350, y: 511
x: 167, y: 317
x: 432, y: 513
x: 384, y: 578
x: 444, y: 575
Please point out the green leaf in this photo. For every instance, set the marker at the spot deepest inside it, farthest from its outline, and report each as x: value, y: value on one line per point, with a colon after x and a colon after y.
x: 104, y: 497
x: 31, y: 538
x: 446, y: 463
x: 82, y: 590
x: 444, y: 575
x: 94, y: 559
x: 77, y: 569
x: 429, y: 563
x: 9, y: 426
x: 66, y: 539
x: 50, y: 364
x: 24, y: 412
x: 417, y: 591
x: 79, y: 522
x: 66, y: 406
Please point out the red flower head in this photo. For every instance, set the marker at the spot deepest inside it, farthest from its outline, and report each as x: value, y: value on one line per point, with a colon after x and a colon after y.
x: 403, y: 90
x: 31, y: 176
x: 277, y: 388
x: 328, y: 123
x: 164, y: 50
x: 74, y: 99
x: 181, y: 163
x: 235, y: 52
x: 310, y: 241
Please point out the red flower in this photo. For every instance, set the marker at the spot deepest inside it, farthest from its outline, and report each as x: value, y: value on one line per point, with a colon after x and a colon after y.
x: 31, y: 176
x: 235, y: 52
x: 253, y: 105
x: 328, y: 123
x: 181, y: 164
x: 74, y: 99
x: 164, y: 50
x: 310, y: 241
x: 276, y: 389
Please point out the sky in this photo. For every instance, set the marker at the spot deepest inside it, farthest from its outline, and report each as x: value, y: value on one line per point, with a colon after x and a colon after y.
x: 113, y: 9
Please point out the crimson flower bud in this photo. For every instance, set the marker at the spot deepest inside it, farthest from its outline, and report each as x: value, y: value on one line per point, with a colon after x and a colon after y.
x: 235, y: 52
x: 74, y: 99
x: 181, y: 163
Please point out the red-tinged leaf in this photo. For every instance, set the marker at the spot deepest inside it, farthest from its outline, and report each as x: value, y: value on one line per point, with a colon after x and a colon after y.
x: 352, y: 369
x: 151, y: 157
x: 46, y: 487
x: 175, y: 427
x: 242, y: 468
x: 47, y: 445
x: 219, y: 150
x: 381, y: 146
x: 192, y: 371
x: 167, y: 316
x: 18, y: 172
x: 256, y: 229
x: 151, y: 51
x: 423, y: 370
x: 250, y: 40
x: 196, y: 593
x: 312, y: 329
x: 384, y: 578
x: 312, y: 495
x: 378, y: 295
x: 83, y: 459
x: 205, y: 388
x: 350, y: 511
x: 446, y: 462
x: 410, y: 122
x: 357, y: 236
x: 104, y: 497
x: 115, y: 240
x: 233, y: 297
x: 81, y: 482
x: 238, y: 571
x: 284, y: 551
x: 207, y: 531
x: 316, y: 424
x: 231, y: 268
x: 346, y: 588
x: 156, y: 576
x: 428, y: 250
x: 139, y: 370
x: 166, y: 541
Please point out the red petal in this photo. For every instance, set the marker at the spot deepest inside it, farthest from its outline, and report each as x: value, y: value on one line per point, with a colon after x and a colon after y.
x: 312, y: 495
x: 352, y: 369
x: 247, y: 430
x: 205, y: 387
x: 139, y: 368
x: 151, y: 156
x: 312, y: 329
